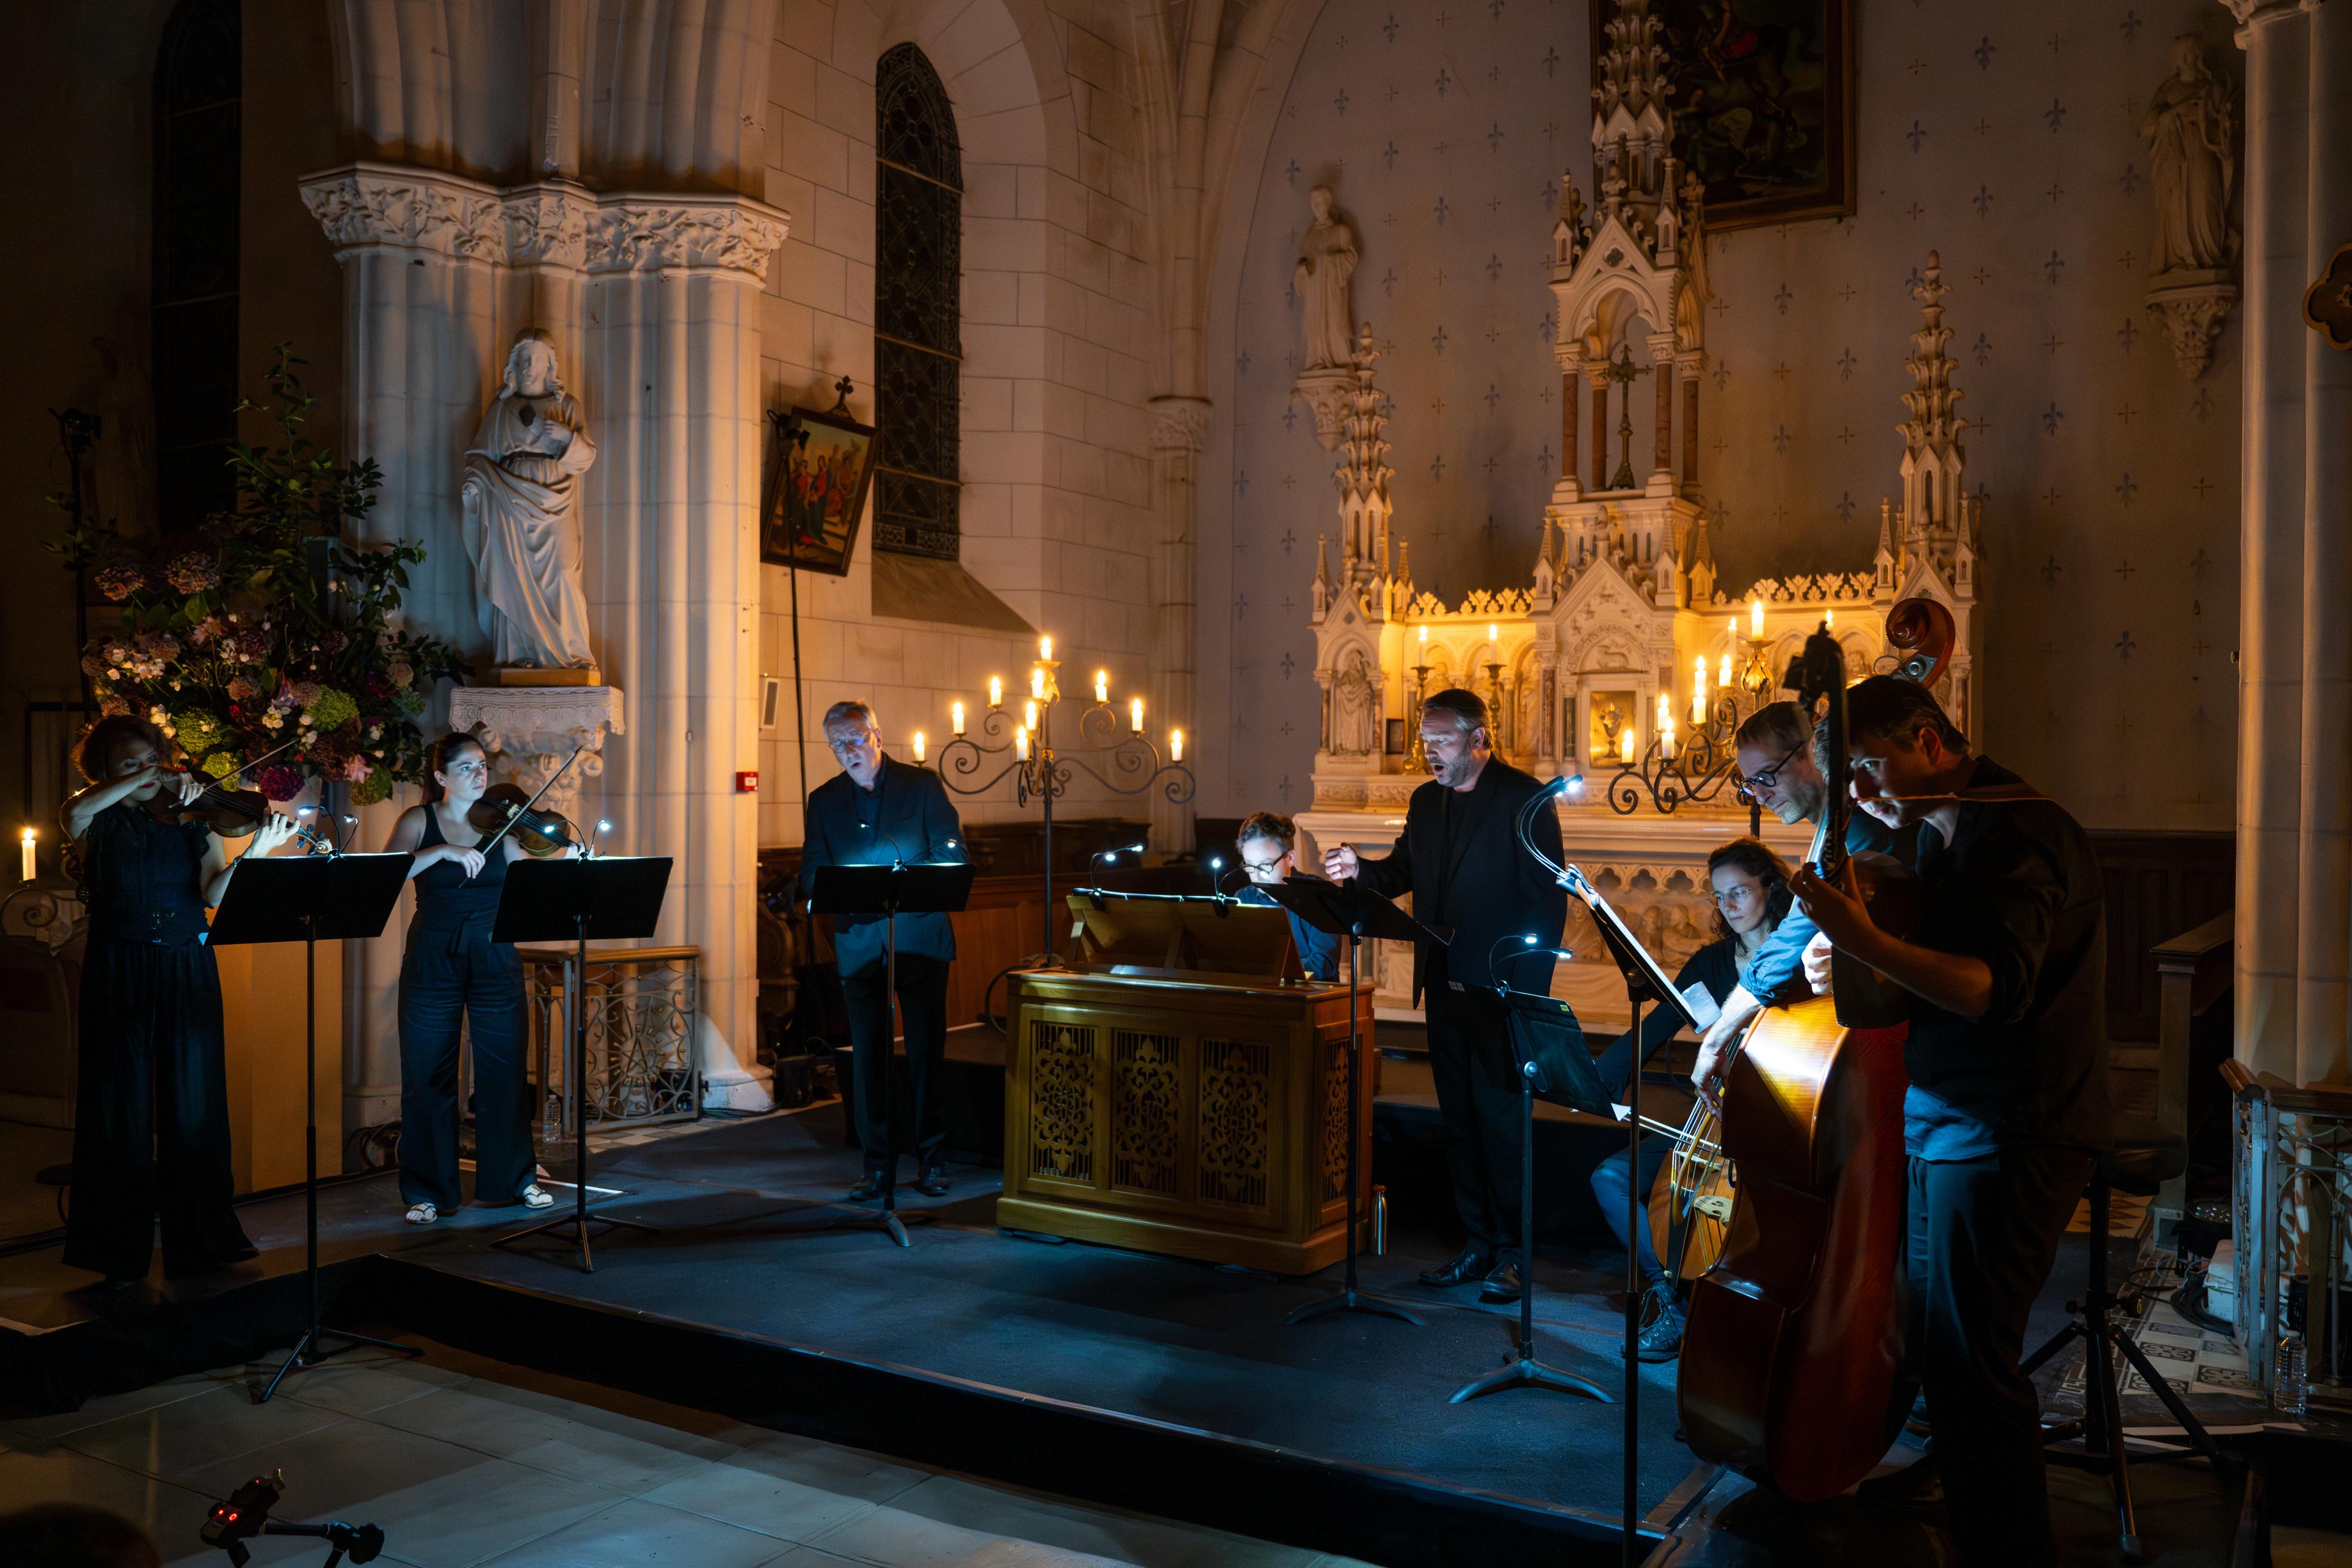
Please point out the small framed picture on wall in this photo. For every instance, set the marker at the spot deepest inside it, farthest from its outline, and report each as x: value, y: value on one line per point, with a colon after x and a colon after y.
x: 818, y: 470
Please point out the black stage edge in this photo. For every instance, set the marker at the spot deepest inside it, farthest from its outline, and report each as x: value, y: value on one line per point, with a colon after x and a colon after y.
x: 1124, y: 1461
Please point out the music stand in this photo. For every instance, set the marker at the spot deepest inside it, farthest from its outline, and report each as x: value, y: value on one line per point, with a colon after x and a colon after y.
x: 310, y: 898
x: 1644, y: 982
x: 570, y: 901
x: 913, y: 888
x: 1344, y: 909
x: 1553, y: 1061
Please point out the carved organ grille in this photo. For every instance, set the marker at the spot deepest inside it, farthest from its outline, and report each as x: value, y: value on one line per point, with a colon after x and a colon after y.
x: 918, y: 336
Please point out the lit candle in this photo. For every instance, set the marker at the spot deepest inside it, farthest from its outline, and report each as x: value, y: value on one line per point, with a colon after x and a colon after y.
x: 1044, y: 648
x: 1829, y: 617
x: 1698, y: 698
x: 1666, y: 711
x: 30, y: 870
x: 956, y: 712
x: 1102, y: 685
x: 1492, y: 635
x: 1625, y: 746
x: 1175, y: 745
x: 1028, y: 715
x: 1666, y: 739
x: 995, y: 692
x: 1134, y: 714
x: 1723, y: 674
x: 1425, y: 636
x: 1756, y: 619
x: 1021, y: 743
x: 919, y: 745
x: 1037, y: 682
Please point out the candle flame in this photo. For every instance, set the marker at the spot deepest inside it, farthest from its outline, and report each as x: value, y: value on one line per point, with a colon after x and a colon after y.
x: 1756, y: 619
x: 1102, y: 685
x: 1134, y: 714
x: 956, y: 709
x: 1045, y: 647
x: 995, y: 691
x: 1029, y: 715
x: 1175, y: 745
x: 1625, y: 746
x: 919, y: 745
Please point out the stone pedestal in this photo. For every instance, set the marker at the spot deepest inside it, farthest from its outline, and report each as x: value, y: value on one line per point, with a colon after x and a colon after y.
x: 1328, y: 394
x: 2191, y: 306
x: 530, y: 731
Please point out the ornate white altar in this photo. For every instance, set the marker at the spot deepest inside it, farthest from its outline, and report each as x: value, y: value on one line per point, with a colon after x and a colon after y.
x: 1622, y: 622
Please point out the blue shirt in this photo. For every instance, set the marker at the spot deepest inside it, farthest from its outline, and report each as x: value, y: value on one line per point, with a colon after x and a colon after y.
x: 1776, y: 976
x: 1318, y: 952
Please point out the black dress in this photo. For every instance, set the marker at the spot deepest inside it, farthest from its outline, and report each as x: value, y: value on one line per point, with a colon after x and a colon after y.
x: 454, y: 975
x: 151, y: 1127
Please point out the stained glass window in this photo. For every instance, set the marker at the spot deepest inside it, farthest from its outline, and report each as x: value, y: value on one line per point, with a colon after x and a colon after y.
x: 194, y: 312
x: 917, y: 337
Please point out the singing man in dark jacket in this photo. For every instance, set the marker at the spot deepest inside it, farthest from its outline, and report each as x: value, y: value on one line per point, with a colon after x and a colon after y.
x: 1460, y: 859
x: 880, y: 812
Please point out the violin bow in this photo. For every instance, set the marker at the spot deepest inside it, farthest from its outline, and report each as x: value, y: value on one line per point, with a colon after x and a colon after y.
x: 524, y: 810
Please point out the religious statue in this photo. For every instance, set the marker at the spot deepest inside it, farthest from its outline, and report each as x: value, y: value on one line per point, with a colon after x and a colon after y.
x: 1326, y: 259
x: 1355, y: 710
x: 2190, y: 125
x: 521, y: 500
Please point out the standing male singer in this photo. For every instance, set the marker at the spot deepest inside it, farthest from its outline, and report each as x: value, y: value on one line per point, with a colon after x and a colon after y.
x: 1460, y: 860
x: 880, y: 812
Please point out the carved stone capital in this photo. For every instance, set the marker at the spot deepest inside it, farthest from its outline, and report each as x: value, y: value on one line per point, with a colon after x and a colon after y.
x: 2192, y: 314
x: 1179, y: 424
x: 529, y: 731
x: 362, y: 206
x: 654, y: 234
x: 547, y: 225
x: 1328, y: 394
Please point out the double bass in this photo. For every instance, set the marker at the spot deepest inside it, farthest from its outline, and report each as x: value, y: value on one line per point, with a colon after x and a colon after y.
x: 1792, y: 1353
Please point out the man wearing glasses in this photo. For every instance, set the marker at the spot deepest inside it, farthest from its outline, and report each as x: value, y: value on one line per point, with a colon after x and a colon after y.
x: 1459, y: 859
x: 881, y: 812
x: 1774, y: 751
x: 1267, y: 845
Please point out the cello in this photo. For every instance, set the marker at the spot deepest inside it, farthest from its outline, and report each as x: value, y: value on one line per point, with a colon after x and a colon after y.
x: 1792, y: 1358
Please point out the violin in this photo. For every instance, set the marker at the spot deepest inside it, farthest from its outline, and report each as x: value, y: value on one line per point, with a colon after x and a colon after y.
x: 504, y: 808
x: 229, y: 813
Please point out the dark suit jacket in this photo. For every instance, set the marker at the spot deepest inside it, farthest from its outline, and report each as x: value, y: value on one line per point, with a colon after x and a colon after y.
x: 907, y: 818
x: 1486, y: 891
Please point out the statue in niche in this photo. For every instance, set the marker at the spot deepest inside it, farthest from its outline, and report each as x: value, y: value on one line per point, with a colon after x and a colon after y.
x: 1326, y: 259
x: 2191, y: 131
x: 1355, y: 710
x: 521, y: 500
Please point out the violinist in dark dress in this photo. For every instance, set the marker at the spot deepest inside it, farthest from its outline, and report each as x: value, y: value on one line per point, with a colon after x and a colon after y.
x: 452, y: 976
x: 1268, y: 845
x: 151, y: 1126
x: 1749, y: 886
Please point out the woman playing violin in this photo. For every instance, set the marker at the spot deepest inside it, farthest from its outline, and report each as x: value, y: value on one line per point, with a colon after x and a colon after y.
x: 453, y: 974
x: 151, y: 1131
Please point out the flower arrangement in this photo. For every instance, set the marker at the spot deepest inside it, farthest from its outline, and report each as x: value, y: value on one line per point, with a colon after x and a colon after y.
x: 268, y: 632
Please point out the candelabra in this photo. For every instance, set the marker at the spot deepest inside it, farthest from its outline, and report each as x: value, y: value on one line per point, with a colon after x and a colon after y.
x: 1694, y: 768
x: 1130, y: 763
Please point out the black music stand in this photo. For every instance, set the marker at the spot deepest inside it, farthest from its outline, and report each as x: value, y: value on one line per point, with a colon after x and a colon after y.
x: 1553, y: 1061
x: 571, y: 901
x: 1644, y: 982
x: 1344, y: 909
x: 911, y: 888
x: 310, y: 898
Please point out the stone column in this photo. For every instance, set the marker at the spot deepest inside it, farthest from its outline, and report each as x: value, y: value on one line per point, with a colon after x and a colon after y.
x: 1661, y: 455
x: 2295, y: 714
x: 1178, y: 427
x: 670, y: 374
x: 1690, y: 423
x: 1600, y: 426
x: 421, y: 254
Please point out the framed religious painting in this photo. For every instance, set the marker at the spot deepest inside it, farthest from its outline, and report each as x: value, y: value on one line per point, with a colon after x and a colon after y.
x: 818, y: 470
x: 1763, y: 103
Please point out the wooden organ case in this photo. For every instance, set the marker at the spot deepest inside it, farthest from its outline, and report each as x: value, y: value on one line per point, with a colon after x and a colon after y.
x: 1180, y: 1089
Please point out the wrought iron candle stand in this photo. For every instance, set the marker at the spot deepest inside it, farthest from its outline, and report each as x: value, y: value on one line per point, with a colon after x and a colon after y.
x: 1130, y: 764
x: 1697, y: 768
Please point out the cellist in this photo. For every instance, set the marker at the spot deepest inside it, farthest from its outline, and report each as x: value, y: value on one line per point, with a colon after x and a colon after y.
x: 2008, y: 1102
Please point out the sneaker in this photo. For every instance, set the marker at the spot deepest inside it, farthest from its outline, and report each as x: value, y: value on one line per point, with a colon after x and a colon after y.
x: 535, y: 1197
x: 421, y: 1213
x: 1663, y: 1317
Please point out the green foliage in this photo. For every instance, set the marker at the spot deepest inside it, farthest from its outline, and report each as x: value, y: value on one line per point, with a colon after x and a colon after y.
x: 269, y: 613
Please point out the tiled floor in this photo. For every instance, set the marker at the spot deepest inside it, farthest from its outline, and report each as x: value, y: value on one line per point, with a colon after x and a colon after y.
x: 462, y: 1460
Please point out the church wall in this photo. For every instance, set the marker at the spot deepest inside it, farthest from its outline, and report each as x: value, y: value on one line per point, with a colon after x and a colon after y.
x: 1057, y: 331
x: 2108, y: 480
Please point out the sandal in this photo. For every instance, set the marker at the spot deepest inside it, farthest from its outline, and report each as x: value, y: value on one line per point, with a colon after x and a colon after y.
x: 422, y: 1213
x: 536, y: 1197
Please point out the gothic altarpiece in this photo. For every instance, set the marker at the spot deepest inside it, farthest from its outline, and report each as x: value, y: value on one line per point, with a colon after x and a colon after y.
x: 1622, y: 614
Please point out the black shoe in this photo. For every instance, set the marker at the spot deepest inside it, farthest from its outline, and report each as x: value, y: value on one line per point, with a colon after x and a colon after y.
x: 874, y: 1185
x: 1501, y: 1284
x: 933, y: 1183
x: 1917, y: 1485
x: 1468, y: 1263
x: 1663, y: 1317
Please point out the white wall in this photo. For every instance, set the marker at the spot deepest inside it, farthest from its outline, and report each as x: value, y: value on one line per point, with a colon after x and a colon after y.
x: 1057, y: 337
